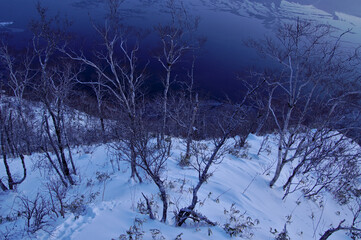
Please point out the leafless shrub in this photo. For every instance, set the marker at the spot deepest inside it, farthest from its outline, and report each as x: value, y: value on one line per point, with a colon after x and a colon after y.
x: 57, y: 192
x: 36, y: 212
x: 237, y: 224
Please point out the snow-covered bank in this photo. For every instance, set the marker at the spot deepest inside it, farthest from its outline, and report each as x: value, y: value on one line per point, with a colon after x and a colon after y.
x: 4, y: 24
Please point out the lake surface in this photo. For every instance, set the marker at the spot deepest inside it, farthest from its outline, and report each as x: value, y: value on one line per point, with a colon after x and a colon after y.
x: 224, y: 23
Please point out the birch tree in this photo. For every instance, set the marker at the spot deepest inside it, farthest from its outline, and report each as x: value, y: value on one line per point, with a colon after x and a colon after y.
x: 185, y: 110
x: 15, y: 130
x: 312, y: 66
x: 55, y: 80
x: 177, y: 38
x: 204, y: 158
x: 121, y: 75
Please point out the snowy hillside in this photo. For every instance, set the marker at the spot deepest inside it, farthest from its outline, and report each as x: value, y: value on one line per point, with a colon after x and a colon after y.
x: 104, y: 204
x: 123, y: 133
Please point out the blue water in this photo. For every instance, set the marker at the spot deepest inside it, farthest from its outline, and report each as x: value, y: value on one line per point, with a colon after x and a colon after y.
x: 224, y: 23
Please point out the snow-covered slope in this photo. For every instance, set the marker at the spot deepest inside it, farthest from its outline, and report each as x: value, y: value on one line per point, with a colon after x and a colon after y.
x: 105, y: 203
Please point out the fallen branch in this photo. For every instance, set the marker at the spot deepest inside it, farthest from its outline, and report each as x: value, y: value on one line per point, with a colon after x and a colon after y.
x: 195, y: 216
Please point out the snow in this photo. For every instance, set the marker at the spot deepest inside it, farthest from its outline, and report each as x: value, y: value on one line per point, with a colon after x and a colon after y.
x: 4, y: 24
x: 110, y: 203
x: 273, y: 14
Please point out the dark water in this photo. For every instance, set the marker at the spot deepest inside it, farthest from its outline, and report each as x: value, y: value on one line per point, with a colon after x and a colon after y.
x: 224, y: 23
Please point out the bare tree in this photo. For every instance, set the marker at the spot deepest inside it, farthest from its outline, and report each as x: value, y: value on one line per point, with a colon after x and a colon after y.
x: 153, y: 157
x: 177, y: 38
x: 15, y: 129
x: 99, y: 94
x: 224, y: 126
x: 327, y: 161
x: 184, y: 111
x: 55, y: 93
x: 311, y: 69
x: 20, y: 75
x: 57, y: 193
x: 118, y: 67
x: 55, y: 82
x: 36, y: 212
x: 10, y: 147
x: 204, y: 159
x: 19, y: 70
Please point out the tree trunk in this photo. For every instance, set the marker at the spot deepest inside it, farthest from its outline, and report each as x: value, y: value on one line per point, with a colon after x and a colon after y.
x: 26, y: 128
x: 24, y: 170
x: 189, y: 138
x: 69, y: 151
x: 66, y: 170
x: 133, y: 163
x: 294, y: 173
x: 6, y: 165
x: 186, y: 159
x: 102, y: 124
x: 150, y: 211
x: 163, y: 196
x: 64, y: 164
x: 55, y: 168
x: 8, y: 172
x: 71, y: 159
x: 3, y: 187
x: 165, y: 102
x: 279, y: 168
x: 328, y: 233
x: 281, y: 157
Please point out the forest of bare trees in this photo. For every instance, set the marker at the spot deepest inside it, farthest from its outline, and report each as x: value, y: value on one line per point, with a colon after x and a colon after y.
x: 310, y: 101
